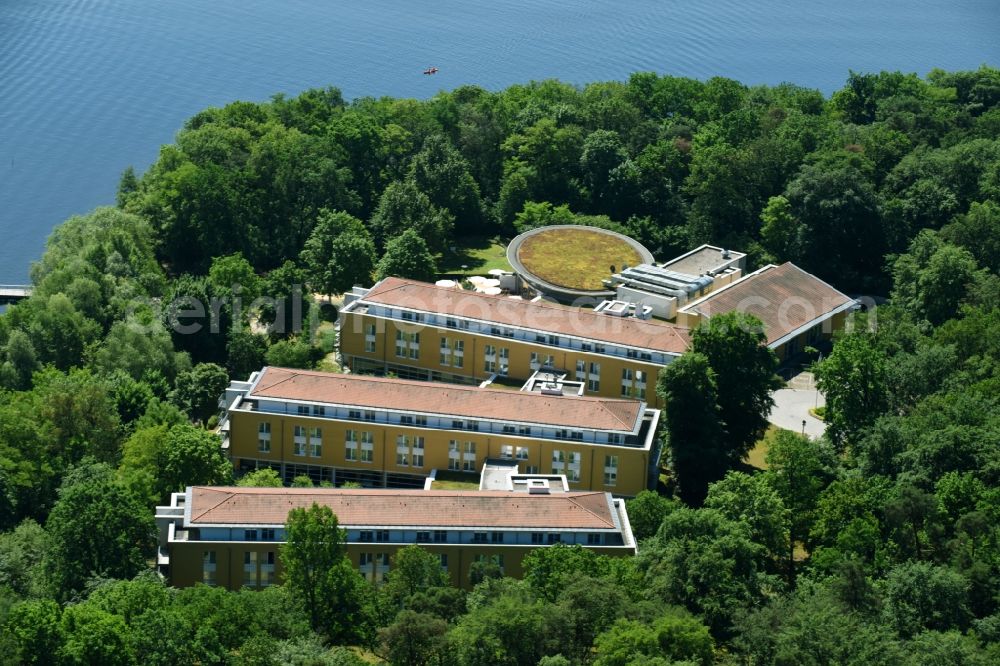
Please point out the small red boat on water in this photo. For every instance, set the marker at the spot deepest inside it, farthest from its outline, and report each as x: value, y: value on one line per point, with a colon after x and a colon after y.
x: 431, y: 70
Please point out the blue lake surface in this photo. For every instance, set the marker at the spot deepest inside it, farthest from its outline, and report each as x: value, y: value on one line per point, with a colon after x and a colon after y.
x: 88, y: 87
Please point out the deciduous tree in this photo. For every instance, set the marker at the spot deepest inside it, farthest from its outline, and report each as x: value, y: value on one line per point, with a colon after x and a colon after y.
x: 318, y: 572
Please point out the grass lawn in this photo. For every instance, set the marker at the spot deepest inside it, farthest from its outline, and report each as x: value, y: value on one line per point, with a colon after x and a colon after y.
x: 477, y: 254
x: 757, y: 454
x: 575, y: 258
x: 453, y: 485
x: 448, y: 480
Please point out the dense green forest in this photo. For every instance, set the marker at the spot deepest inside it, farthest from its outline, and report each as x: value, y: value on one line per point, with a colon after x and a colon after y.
x: 879, y: 544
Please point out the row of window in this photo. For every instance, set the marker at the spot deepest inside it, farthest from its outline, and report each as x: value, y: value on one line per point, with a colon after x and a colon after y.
x: 311, y: 439
x: 359, y: 447
x: 258, y: 568
x: 497, y: 360
x: 409, y: 451
x: 497, y: 330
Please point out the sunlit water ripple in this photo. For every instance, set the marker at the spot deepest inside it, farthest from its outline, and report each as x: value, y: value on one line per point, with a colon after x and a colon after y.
x: 88, y: 87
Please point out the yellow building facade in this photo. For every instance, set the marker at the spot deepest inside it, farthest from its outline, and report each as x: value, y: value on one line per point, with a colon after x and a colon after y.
x: 232, y: 537
x: 419, y: 331
x: 383, y: 431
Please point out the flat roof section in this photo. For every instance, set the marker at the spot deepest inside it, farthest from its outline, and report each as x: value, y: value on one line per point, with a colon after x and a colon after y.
x: 533, y: 315
x: 225, y: 506
x: 785, y: 298
x: 365, y: 391
x: 704, y: 259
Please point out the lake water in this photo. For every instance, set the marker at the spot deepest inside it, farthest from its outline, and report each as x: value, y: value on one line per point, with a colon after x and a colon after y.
x: 88, y: 87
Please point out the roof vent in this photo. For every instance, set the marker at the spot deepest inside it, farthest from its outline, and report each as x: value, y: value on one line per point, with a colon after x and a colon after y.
x: 538, y: 490
x: 725, y: 253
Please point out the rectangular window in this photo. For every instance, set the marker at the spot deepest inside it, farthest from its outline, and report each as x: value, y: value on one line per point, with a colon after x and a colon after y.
x: 423, y: 537
x: 402, y: 451
x: 267, y: 569
x: 264, y: 437
x: 581, y: 371
x: 414, y: 345
x: 610, y: 470
x: 640, y: 384
x: 445, y: 352
x: 615, y: 438
x: 496, y: 537
x: 366, y: 536
x: 479, y: 537
x: 370, y: 338
x: 558, y: 461
x: 451, y: 323
x: 534, y: 363
x: 594, y: 378
x: 469, y: 457
x: 490, y: 359
x: 406, y: 420
x: 524, y: 430
x: 208, y: 567
x: 267, y: 534
x: 593, y: 539
x: 401, y: 340
x: 316, y: 442
x: 521, y: 452
x: 249, y: 535
x: 440, y: 536
x: 319, y: 410
x: 444, y: 561
x: 382, y: 535
x: 537, y: 537
x: 458, y: 354
x: 351, y: 445
x: 573, y: 466
x: 369, y: 415
x: 300, y: 441
x: 509, y: 429
x: 504, y: 361
x: 417, y: 457
x: 249, y: 569
x: 507, y: 451
x: 354, y: 413
x: 304, y: 409
x: 555, y: 537
x: 367, y: 446
x: 454, y: 456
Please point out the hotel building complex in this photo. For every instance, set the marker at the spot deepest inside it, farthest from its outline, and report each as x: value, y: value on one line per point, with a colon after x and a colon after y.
x: 381, y: 431
x: 232, y: 537
x: 421, y: 331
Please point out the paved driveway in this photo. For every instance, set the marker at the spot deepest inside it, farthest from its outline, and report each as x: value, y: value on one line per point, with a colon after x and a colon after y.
x: 791, y: 408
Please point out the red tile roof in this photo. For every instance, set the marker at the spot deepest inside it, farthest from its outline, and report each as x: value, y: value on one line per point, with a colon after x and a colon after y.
x: 404, y: 508
x: 544, y: 317
x: 783, y: 297
x: 449, y: 399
